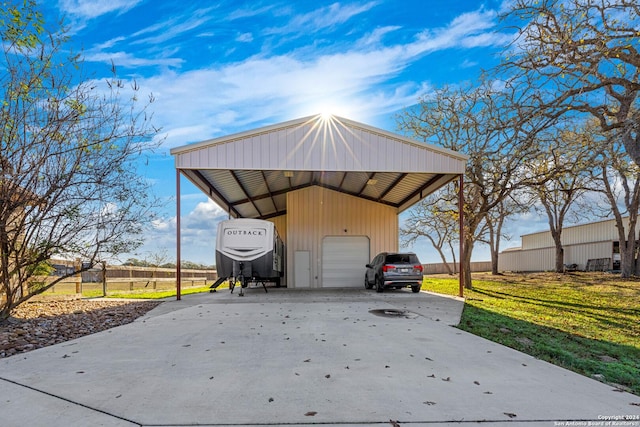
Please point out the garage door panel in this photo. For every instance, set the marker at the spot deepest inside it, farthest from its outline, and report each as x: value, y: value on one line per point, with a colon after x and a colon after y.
x: 343, y: 261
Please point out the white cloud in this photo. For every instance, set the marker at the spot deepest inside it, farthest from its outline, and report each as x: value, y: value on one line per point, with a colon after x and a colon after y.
x: 124, y: 59
x: 324, y: 17
x: 172, y: 28
x: 375, y: 37
x: 245, y: 38
x: 197, y: 228
x: 194, y: 105
x: 357, y: 82
x: 207, y: 210
x: 89, y: 9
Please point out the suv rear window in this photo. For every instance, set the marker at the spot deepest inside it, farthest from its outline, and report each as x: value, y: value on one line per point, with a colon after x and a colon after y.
x: 402, y: 259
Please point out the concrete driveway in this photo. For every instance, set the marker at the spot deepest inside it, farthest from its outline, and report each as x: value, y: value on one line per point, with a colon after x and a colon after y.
x: 291, y: 357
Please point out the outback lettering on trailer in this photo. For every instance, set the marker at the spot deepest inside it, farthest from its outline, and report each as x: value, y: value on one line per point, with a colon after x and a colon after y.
x: 238, y: 232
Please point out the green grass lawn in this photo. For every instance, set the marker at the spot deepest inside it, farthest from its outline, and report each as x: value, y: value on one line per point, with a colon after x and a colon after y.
x: 135, y: 294
x: 586, y: 322
x: 157, y: 294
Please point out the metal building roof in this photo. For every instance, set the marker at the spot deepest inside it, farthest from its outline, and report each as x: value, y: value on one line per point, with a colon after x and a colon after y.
x: 249, y: 173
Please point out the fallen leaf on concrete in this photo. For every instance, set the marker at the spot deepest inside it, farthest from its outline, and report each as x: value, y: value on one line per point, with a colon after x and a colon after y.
x: 428, y: 402
x: 476, y: 383
x: 431, y: 376
x: 488, y: 392
x: 327, y: 376
x: 307, y: 360
x: 310, y: 414
x: 510, y: 414
x: 446, y: 379
x: 387, y: 366
x: 271, y: 399
x: 394, y: 423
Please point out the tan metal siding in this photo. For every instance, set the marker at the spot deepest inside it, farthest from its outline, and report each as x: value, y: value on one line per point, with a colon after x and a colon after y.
x: 593, y: 232
x: 527, y: 260
x: 580, y: 254
x: 543, y: 259
x: 537, y: 241
x: 315, y: 212
x: 281, y: 225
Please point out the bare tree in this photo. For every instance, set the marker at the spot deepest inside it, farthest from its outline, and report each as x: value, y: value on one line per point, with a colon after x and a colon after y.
x: 580, y: 56
x: 619, y: 182
x: 70, y: 145
x: 495, y: 220
x: 435, y: 218
x: 564, y: 173
x: 485, y: 123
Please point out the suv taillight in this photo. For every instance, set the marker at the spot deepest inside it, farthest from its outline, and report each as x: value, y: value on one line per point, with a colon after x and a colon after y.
x: 386, y: 268
x: 418, y: 267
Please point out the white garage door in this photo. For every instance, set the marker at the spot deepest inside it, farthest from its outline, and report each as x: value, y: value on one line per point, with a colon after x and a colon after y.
x: 343, y: 261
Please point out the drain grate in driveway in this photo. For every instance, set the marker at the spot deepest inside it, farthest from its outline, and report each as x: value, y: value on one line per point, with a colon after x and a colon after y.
x: 392, y: 312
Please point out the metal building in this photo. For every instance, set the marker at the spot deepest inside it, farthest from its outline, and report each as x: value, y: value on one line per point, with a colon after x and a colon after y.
x: 581, y: 243
x: 333, y: 187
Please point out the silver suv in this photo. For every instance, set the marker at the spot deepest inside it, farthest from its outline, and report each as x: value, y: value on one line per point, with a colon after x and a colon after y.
x: 394, y: 270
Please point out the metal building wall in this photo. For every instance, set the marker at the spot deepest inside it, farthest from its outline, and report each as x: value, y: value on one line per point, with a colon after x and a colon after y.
x: 316, y: 212
x: 543, y: 259
x: 578, y: 234
x: 281, y: 225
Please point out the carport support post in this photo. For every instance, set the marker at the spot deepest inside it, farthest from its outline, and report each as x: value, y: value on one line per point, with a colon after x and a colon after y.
x: 461, y: 218
x: 178, y: 258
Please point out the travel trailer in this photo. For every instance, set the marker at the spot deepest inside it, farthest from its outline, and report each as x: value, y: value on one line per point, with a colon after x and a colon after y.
x: 248, y: 250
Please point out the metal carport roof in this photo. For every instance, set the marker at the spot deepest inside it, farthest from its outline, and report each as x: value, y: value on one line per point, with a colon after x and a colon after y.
x: 249, y: 173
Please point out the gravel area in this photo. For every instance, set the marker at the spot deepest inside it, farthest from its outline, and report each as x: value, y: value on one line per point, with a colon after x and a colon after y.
x: 34, y: 325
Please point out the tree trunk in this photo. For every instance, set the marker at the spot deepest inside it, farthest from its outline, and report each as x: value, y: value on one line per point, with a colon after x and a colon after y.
x: 559, y: 259
x: 494, y: 262
x: 627, y: 248
x: 557, y: 240
x: 465, y: 267
x: 627, y: 259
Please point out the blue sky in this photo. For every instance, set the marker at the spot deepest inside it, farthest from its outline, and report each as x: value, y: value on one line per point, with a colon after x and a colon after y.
x: 221, y: 67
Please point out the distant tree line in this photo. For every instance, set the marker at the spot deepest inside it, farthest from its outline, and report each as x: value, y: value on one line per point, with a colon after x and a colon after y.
x: 189, y: 265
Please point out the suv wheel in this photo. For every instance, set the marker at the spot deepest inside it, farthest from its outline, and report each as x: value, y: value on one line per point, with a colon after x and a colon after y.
x: 367, y: 285
x: 379, y: 284
x: 415, y: 289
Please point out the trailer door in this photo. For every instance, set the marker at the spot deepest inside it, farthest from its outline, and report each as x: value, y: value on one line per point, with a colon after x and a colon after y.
x: 343, y: 261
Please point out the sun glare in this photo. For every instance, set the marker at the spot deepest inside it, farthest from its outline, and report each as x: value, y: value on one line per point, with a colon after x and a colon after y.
x: 327, y: 111
x: 326, y: 115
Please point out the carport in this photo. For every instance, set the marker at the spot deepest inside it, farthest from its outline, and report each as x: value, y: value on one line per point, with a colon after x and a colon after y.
x: 333, y: 187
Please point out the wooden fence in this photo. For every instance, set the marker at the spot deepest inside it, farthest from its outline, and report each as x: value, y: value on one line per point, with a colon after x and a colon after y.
x: 118, y: 278
x: 440, y: 268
